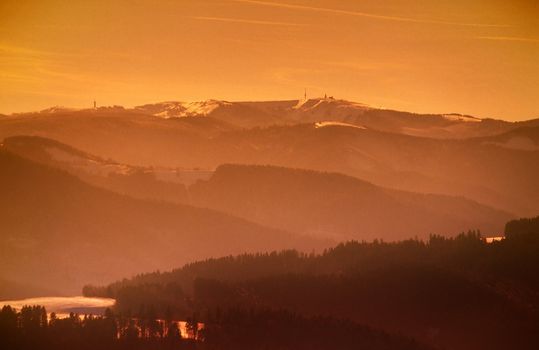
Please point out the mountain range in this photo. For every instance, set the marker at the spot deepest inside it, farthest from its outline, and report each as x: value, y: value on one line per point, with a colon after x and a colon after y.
x: 493, y: 162
x: 159, y: 185
x: 314, y: 203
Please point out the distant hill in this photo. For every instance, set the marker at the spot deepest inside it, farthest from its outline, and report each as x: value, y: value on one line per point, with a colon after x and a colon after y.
x: 239, y: 114
x: 266, y: 113
x: 524, y: 138
x: 16, y: 290
x: 50, y: 218
x: 163, y: 184
x: 339, y: 206
x: 127, y: 136
x: 478, y: 169
x: 447, y: 154
x: 316, y: 203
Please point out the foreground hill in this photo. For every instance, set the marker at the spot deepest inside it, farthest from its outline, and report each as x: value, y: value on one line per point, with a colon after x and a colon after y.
x: 237, y: 329
x: 49, y: 216
x: 458, y: 293
x: 338, y: 206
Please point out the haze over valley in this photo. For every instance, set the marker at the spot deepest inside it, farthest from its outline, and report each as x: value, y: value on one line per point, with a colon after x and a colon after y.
x: 269, y: 175
x: 255, y: 176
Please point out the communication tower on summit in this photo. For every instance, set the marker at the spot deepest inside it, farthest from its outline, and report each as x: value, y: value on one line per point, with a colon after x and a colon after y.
x: 305, y: 95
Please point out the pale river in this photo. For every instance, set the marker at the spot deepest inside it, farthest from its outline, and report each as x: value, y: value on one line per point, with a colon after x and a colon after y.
x: 62, y: 306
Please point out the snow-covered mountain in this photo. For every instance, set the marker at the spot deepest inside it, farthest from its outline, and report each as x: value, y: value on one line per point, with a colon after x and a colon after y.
x: 266, y: 113
x: 494, y: 162
x: 174, y: 109
x: 250, y: 114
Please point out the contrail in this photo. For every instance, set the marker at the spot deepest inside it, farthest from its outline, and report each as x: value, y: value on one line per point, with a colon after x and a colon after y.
x: 366, y: 14
x: 508, y: 38
x: 248, y: 21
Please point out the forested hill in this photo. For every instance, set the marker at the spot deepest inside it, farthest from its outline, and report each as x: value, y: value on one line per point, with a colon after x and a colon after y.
x: 338, y: 206
x: 237, y: 329
x: 459, y: 293
x: 47, y: 215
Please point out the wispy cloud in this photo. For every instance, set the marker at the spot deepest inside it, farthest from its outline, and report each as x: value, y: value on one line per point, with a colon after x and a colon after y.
x: 248, y: 21
x: 364, y: 65
x: 508, y: 38
x: 366, y: 14
x: 32, y: 67
x: 6, y: 49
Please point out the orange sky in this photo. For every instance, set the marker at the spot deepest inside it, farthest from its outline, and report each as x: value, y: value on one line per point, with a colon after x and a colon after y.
x: 476, y: 57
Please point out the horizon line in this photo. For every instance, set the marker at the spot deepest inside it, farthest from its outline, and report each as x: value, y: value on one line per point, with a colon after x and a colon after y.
x: 132, y: 107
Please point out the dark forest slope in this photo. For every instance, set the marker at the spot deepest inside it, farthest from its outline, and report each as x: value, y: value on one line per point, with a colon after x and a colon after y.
x: 339, y: 206
x: 459, y: 293
x: 56, y: 231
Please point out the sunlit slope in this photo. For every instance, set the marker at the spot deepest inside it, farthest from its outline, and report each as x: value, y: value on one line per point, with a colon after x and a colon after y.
x: 59, y: 232
x: 126, y: 136
x: 162, y: 184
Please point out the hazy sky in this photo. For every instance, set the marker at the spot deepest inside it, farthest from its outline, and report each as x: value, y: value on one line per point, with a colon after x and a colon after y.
x: 477, y: 57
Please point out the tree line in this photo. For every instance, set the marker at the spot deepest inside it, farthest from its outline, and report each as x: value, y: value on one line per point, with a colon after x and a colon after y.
x: 459, y: 292
x: 228, y: 329
x: 30, y: 328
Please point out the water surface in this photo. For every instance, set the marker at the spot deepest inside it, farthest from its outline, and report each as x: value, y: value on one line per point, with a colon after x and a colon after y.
x: 62, y: 306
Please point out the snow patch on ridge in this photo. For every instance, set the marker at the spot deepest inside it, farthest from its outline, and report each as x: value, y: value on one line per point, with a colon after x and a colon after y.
x: 461, y: 118
x: 318, y: 125
x: 317, y: 103
x: 173, y: 109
